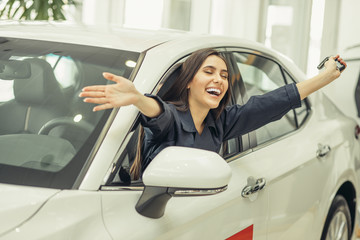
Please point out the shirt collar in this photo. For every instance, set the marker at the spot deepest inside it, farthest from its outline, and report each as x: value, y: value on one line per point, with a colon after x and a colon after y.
x: 187, y: 122
x: 210, y: 122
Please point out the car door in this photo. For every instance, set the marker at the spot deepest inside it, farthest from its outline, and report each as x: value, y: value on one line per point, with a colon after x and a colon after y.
x: 286, y: 151
x: 238, y: 213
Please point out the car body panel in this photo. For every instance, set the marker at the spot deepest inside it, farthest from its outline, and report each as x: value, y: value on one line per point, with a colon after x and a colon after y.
x: 131, y: 39
x: 212, y: 217
x: 299, y: 183
x: 20, y: 209
x: 69, y: 215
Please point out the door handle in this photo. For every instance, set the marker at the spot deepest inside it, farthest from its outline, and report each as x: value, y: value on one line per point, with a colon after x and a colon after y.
x: 322, y: 151
x: 253, y: 186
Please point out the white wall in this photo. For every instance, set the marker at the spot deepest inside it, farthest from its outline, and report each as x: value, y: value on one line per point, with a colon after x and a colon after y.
x: 103, y: 13
x: 349, y: 24
x: 338, y: 20
x: 238, y: 18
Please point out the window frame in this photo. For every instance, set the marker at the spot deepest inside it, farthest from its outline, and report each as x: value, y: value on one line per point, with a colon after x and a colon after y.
x: 284, y: 70
x: 109, y: 182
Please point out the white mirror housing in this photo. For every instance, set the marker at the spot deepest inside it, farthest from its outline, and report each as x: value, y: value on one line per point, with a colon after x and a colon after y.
x: 181, y: 171
x: 182, y: 167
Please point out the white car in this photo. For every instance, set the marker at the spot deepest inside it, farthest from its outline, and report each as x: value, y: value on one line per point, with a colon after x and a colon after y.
x: 63, y: 168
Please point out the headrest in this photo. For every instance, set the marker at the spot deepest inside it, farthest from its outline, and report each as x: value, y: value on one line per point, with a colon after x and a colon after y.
x: 40, y: 86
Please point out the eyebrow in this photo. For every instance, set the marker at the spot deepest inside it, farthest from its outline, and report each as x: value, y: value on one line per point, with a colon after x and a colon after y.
x: 212, y: 67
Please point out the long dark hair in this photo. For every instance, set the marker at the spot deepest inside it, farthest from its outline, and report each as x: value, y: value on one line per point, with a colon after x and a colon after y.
x: 178, y: 95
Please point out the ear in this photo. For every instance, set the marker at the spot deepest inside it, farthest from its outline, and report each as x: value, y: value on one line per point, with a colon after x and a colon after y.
x: 189, y: 85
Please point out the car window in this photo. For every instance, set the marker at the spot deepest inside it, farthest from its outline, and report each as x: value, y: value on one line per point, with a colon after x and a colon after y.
x: 46, y: 131
x: 261, y: 75
x: 6, y: 92
x: 120, y: 176
x: 65, y: 69
x: 301, y: 112
x: 235, y: 145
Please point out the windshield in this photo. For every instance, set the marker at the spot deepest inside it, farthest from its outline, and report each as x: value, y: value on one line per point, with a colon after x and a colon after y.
x: 46, y: 131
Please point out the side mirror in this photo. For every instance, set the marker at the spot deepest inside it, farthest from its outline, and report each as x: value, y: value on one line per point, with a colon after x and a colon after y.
x: 181, y: 171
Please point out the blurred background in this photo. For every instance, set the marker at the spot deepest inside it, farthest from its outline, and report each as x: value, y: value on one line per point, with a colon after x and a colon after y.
x: 304, y: 30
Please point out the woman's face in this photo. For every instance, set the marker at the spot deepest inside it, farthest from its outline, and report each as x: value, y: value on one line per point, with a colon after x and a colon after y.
x: 209, y: 84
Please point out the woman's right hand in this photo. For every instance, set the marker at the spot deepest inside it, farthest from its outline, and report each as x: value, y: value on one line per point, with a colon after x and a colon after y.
x: 122, y: 93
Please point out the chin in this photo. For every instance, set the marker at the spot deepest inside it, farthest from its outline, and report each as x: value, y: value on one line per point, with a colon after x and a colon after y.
x: 214, y: 106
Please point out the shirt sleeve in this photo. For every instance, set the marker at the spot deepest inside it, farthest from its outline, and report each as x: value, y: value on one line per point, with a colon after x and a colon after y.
x: 159, y: 125
x: 260, y: 110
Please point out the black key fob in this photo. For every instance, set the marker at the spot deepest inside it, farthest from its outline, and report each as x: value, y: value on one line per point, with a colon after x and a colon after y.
x: 339, y: 65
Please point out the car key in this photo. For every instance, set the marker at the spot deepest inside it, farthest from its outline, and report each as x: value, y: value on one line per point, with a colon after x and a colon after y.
x: 321, y: 65
x: 339, y: 65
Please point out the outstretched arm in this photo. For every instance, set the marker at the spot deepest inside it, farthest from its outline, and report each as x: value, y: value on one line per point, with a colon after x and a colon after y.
x: 313, y: 84
x: 122, y: 93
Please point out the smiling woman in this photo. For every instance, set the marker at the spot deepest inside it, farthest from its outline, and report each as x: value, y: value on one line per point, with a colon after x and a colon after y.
x: 192, y: 112
x: 60, y: 158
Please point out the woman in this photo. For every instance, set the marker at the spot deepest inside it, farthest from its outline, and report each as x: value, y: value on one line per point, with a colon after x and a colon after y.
x: 193, y: 112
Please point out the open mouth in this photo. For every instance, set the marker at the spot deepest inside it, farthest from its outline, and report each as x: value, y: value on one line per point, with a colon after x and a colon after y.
x: 213, y: 91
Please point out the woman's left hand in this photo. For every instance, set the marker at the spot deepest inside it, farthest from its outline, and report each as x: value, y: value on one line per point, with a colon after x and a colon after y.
x: 313, y: 84
x: 331, y: 67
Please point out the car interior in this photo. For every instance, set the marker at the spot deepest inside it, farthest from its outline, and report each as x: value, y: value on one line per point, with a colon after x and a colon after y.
x: 43, y: 121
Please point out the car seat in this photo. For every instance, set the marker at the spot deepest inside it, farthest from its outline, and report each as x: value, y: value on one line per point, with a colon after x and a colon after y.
x: 37, y: 99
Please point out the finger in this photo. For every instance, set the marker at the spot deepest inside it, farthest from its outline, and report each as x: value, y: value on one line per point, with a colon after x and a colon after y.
x: 341, y: 60
x: 102, y: 107
x: 110, y: 76
x: 96, y: 100
x: 344, y: 63
x: 94, y: 88
x: 113, y: 77
x: 99, y: 94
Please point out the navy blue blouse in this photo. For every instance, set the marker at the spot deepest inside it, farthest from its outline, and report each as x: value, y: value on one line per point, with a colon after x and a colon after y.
x: 176, y: 128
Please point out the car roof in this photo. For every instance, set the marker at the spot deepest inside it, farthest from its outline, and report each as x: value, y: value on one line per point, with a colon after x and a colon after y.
x: 110, y: 37
x: 137, y: 40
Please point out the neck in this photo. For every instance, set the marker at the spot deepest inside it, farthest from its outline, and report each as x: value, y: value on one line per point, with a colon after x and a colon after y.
x: 198, y: 115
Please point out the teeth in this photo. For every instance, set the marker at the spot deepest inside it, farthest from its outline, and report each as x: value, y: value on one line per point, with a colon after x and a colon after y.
x: 214, y: 91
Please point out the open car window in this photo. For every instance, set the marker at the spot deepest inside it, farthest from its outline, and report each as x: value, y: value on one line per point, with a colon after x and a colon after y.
x: 121, y: 176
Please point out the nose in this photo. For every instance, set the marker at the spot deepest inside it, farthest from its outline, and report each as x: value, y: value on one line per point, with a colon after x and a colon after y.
x: 217, y: 79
